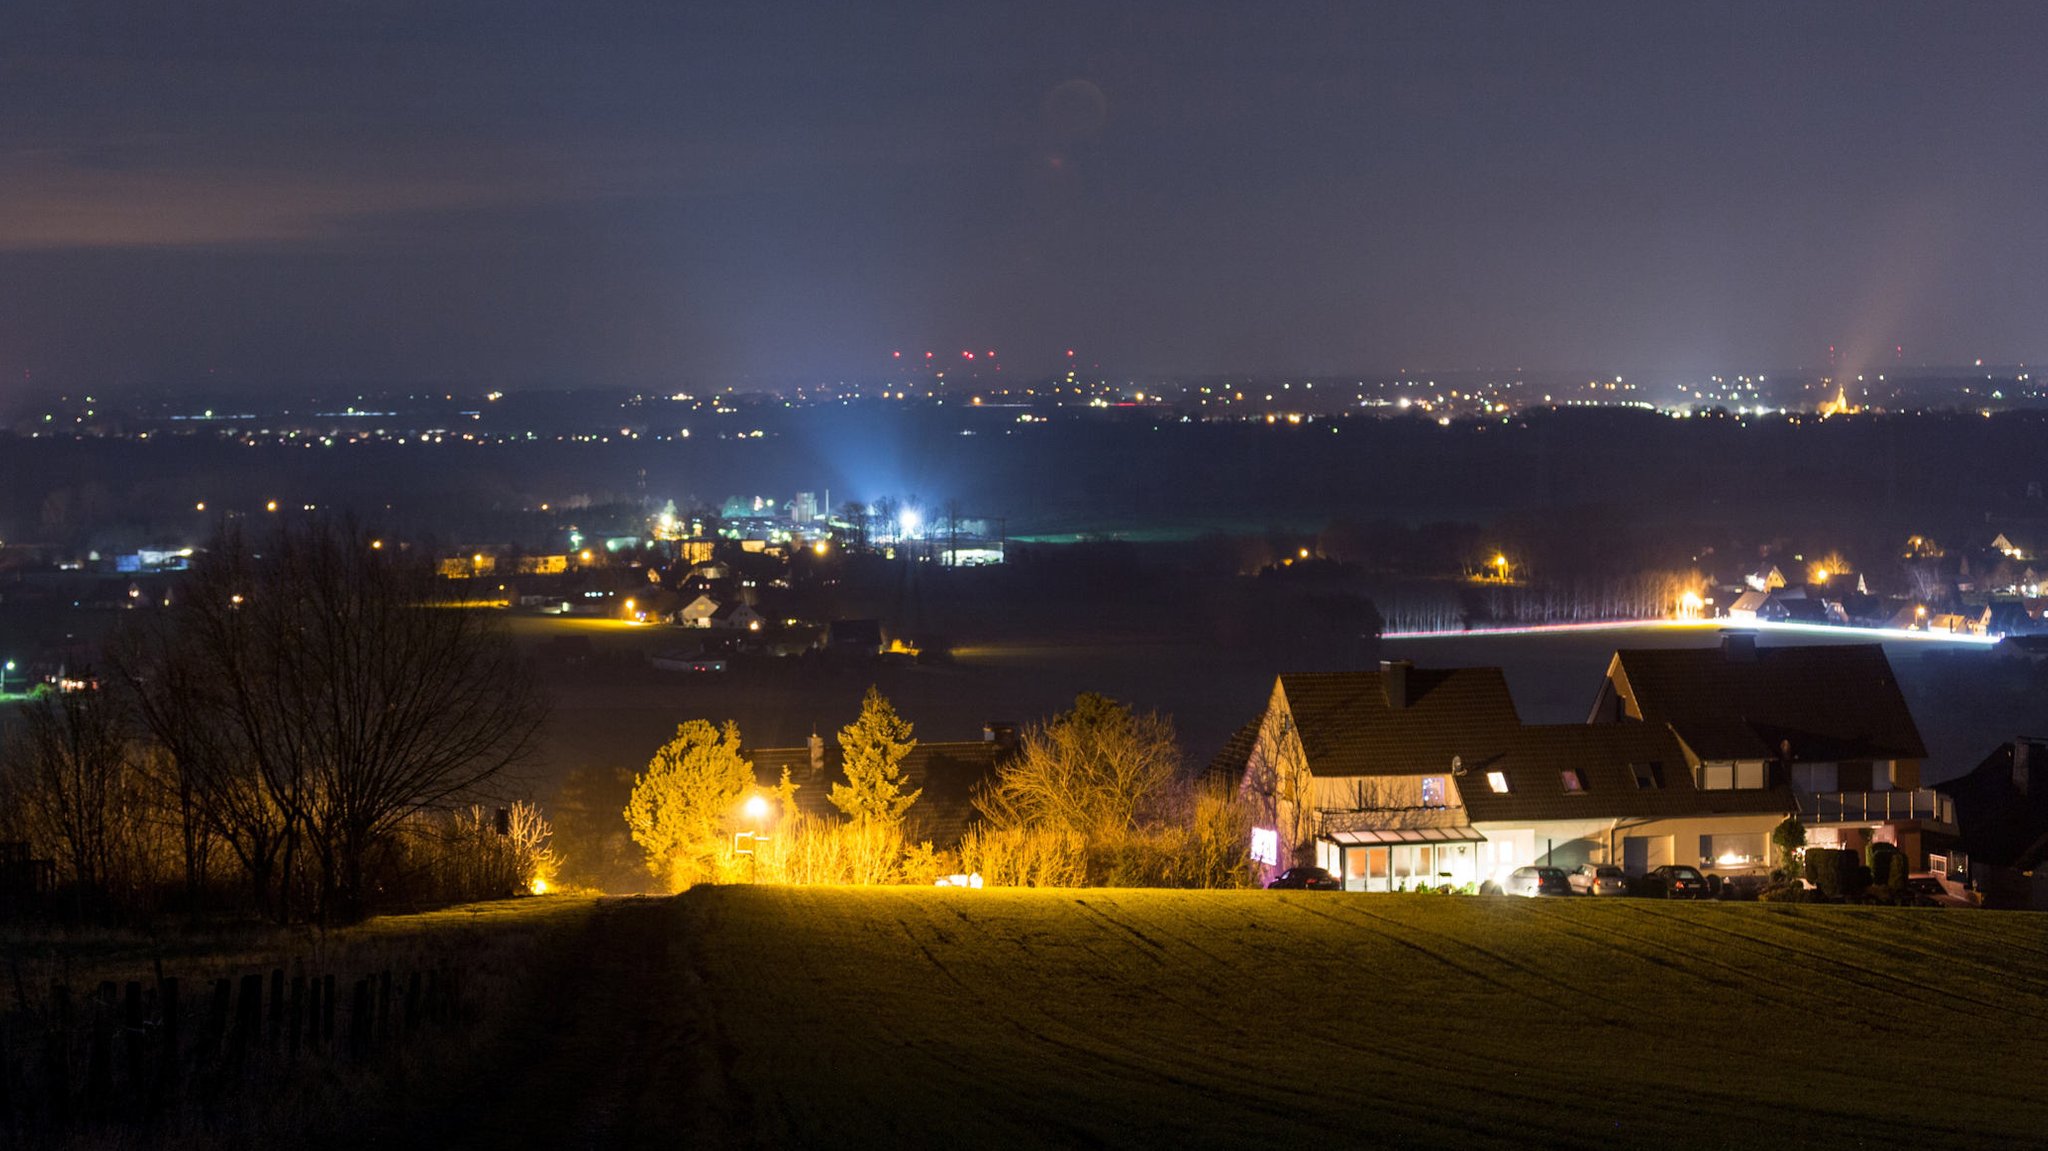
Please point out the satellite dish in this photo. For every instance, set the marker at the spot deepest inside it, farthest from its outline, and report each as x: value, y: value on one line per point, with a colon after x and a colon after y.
x: 1457, y: 765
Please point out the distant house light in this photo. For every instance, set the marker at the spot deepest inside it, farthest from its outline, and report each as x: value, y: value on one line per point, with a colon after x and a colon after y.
x: 1498, y: 781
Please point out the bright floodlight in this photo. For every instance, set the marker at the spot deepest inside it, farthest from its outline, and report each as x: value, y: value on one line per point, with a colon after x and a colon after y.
x: 756, y: 808
x: 908, y: 522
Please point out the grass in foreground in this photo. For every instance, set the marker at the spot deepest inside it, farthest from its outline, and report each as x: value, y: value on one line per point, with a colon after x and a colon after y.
x: 919, y: 1017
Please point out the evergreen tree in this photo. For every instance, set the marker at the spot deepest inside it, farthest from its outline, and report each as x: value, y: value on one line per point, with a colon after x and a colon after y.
x: 874, y: 747
x: 684, y: 805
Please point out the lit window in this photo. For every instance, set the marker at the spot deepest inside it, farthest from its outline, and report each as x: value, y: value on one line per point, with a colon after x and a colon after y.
x: 1649, y: 776
x: 1265, y: 846
x: 1432, y: 791
x: 1571, y: 780
x: 1498, y: 781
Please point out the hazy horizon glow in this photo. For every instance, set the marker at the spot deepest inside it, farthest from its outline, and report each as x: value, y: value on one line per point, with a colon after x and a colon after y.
x: 646, y: 194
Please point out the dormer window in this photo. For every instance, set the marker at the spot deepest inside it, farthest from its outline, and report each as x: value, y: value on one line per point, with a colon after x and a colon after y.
x: 1498, y: 781
x: 1433, y: 791
x: 1571, y: 780
x: 1649, y: 776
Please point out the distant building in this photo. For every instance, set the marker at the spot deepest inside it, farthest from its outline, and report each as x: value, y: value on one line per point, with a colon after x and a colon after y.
x: 2002, y: 806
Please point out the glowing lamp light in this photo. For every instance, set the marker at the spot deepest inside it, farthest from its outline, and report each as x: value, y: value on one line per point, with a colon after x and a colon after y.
x: 1265, y: 846
x: 756, y: 808
x: 271, y: 506
x: 820, y: 548
x: 908, y: 522
x: 539, y: 886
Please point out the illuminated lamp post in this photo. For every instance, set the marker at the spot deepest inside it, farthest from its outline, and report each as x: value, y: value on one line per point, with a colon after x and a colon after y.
x: 5, y: 670
x: 1500, y: 564
x: 756, y: 810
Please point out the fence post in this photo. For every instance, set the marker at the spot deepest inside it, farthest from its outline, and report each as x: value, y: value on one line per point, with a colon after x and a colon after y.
x: 167, y: 1049
x: 131, y: 1040
x: 313, y: 1013
x: 214, y: 1041
x: 276, y: 1005
x: 248, y: 1027
x: 327, y: 1012
x: 359, y: 1021
x: 295, y: 1018
x: 6, y: 1073
x: 384, y: 1007
x: 99, y: 1064
x: 412, y: 1002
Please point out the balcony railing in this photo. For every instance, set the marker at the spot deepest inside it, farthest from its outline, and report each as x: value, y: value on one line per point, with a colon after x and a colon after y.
x: 1876, y: 806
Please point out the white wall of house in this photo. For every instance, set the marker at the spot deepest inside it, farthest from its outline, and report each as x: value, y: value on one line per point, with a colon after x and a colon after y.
x: 1562, y: 843
x: 1741, y: 844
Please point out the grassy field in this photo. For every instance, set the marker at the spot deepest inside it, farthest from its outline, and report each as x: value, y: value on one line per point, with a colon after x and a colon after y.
x: 1079, y: 1018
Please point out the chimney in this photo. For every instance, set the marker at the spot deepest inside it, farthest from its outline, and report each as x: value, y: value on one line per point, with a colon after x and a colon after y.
x: 1738, y: 646
x: 817, y: 747
x: 2021, y: 768
x: 1394, y: 682
x: 1001, y: 733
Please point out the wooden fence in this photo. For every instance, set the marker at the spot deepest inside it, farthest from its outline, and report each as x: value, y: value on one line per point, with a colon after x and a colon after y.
x: 134, y: 1054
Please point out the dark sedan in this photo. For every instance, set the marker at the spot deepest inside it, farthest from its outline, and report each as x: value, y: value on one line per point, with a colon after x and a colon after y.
x: 1307, y: 879
x: 1682, y: 882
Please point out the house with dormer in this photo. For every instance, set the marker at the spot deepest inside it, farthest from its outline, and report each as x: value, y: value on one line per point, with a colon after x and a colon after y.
x: 1408, y: 777
x: 1825, y: 725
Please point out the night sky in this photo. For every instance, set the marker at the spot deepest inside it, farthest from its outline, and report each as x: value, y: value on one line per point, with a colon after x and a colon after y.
x: 517, y: 194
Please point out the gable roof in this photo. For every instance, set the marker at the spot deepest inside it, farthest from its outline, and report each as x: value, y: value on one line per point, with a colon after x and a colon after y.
x: 1604, y: 757
x: 948, y: 773
x: 1228, y: 764
x: 1825, y: 702
x: 2002, y: 823
x: 1347, y: 727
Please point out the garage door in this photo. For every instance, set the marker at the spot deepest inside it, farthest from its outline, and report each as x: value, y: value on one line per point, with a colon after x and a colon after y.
x: 1640, y: 853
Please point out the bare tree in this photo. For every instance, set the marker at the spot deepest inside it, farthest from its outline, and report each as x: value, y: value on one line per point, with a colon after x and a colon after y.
x: 952, y: 513
x: 886, y: 510
x: 71, y: 772
x: 855, y: 514
x: 317, y: 693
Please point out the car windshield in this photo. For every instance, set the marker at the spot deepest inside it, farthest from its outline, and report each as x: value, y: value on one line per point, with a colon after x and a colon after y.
x: 1550, y: 873
x: 1684, y: 873
x: 1608, y: 872
x: 1932, y: 886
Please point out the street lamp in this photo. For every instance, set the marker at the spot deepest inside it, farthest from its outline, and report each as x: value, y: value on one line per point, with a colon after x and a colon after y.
x: 756, y: 810
x: 4, y: 670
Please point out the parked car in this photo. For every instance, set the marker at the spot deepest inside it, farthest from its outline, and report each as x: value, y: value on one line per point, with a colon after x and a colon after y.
x: 1682, y: 882
x: 1307, y: 879
x: 1534, y: 881
x: 1597, y: 879
x: 1939, y: 890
